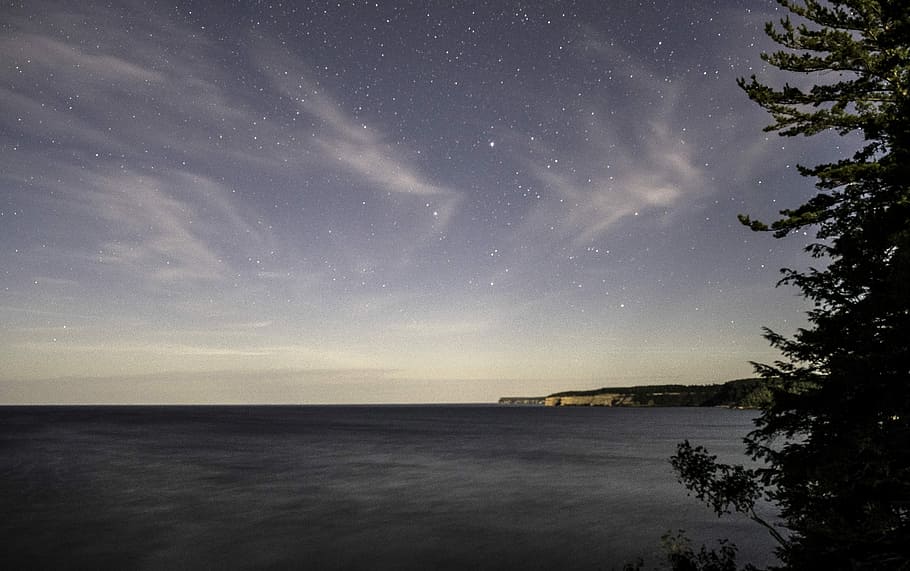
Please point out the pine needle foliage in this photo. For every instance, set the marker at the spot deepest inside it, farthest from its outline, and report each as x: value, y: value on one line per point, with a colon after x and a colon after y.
x: 833, y: 447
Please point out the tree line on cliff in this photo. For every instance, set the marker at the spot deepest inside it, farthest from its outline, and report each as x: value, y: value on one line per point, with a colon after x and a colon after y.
x: 750, y: 393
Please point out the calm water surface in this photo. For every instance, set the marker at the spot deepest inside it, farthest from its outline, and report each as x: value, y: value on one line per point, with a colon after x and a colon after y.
x: 410, y: 487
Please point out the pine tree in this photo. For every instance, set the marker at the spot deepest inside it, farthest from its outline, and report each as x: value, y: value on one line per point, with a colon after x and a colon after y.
x: 834, y: 446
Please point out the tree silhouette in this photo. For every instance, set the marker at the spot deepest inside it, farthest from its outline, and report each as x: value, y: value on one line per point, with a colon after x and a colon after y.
x: 833, y: 448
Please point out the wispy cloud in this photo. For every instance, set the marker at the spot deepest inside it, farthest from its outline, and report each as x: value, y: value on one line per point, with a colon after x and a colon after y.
x: 167, y: 229
x: 171, y: 112
x: 591, y: 197
x: 356, y: 146
x: 155, y: 233
x: 91, y: 110
x: 623, y: 167
x: 176, y: 350
x: 72, y: 59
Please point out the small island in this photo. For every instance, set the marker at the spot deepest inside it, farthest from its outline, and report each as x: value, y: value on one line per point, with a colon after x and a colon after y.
x: 739, y: 393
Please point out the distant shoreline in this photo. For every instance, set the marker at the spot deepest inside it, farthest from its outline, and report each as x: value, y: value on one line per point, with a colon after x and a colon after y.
x: 739, y: 393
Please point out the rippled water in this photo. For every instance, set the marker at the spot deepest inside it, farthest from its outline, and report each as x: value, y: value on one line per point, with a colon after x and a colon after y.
x: 389, y: 487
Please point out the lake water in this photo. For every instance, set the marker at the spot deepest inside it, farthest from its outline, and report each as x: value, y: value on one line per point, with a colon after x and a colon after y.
x: 359, y: 487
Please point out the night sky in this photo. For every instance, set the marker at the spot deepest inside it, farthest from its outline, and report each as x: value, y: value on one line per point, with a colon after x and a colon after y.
x: 361, y: 202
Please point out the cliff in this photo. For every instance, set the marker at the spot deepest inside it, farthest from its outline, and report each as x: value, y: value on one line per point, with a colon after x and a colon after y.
x: 740, y: 393
x: 599, y: 399
x: 522, y: 400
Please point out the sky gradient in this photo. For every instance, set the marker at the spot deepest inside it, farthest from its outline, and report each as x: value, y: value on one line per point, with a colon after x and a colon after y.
x: 364, y: 202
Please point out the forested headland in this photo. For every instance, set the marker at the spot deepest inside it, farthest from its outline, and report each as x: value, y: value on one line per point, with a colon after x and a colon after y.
x: 740, y: 393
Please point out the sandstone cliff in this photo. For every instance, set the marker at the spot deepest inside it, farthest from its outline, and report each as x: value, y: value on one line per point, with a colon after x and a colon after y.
x: 741, y: 393
x: 599, y: 399
x: 522, y: 400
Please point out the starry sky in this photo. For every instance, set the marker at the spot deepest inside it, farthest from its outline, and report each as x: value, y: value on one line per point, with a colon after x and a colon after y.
x: 386, y: 201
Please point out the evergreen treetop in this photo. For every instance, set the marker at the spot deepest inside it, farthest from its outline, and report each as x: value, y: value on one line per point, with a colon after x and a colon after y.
x: 834, y: 445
